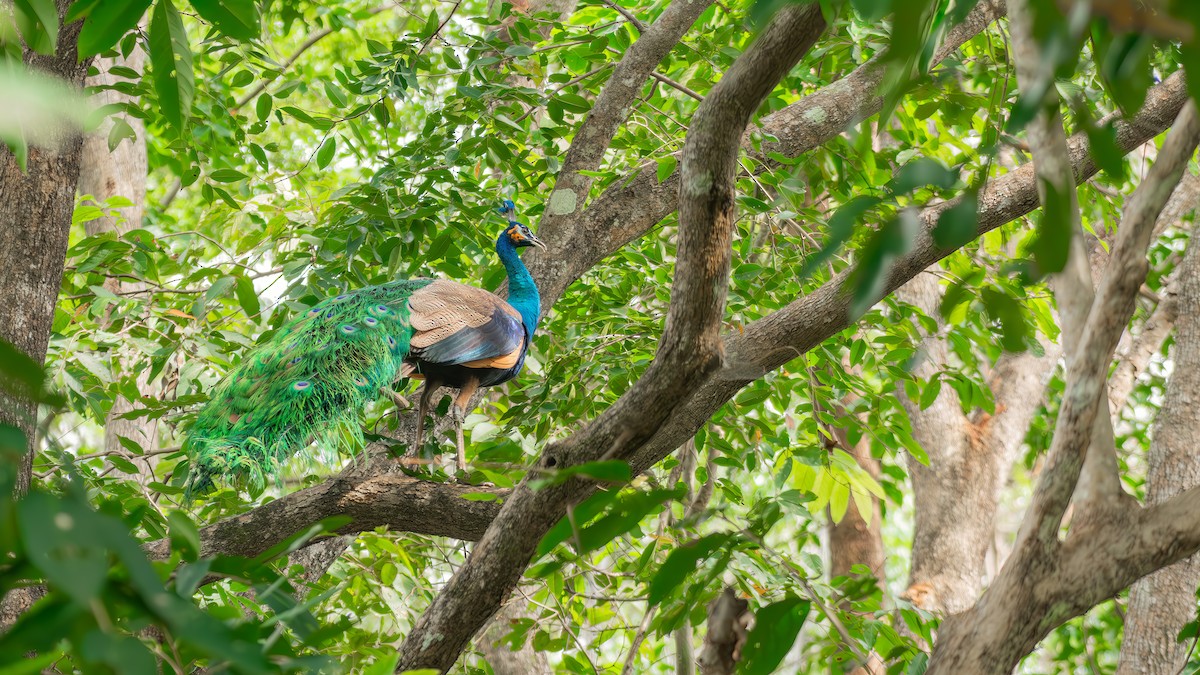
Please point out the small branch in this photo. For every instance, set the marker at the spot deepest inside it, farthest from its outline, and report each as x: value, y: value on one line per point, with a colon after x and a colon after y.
x: 291, y: 60
x: 439, y: 28
x: 675, y: 85
x: 633, y: 20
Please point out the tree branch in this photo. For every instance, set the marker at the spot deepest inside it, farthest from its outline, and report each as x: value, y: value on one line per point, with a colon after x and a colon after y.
x: 395, y: 501
x: 560, y: 219
x: 636, y: 203
x: 1087, y: 372
x: 689, y: 350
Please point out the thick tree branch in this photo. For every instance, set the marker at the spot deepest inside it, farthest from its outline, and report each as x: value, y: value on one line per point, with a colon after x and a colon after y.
x: 394, y: 501
x: 689, y: 349
x: 1043, y: 577
x: 1087, y: 372
x: 560, y: 220
x: 636, y: 203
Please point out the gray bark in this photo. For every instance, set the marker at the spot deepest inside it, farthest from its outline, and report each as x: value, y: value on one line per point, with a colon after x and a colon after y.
x: 35, y: 220
x: 1161, y: 603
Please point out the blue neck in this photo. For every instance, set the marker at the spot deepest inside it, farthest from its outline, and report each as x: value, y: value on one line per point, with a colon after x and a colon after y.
x: 522, y: 291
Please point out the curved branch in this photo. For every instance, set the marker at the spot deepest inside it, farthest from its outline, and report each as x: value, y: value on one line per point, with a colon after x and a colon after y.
x: 395, y: 501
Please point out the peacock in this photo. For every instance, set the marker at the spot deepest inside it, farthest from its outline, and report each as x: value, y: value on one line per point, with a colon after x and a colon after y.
x: 312, y: 378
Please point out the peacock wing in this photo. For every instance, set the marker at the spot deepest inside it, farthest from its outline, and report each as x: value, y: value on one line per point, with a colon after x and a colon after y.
x: 456, y: 324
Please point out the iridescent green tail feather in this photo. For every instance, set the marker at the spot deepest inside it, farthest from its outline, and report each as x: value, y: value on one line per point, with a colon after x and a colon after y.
x: 309, y: 382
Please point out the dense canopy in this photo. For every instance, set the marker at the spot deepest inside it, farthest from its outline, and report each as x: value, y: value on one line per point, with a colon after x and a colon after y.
x: 870, y: 334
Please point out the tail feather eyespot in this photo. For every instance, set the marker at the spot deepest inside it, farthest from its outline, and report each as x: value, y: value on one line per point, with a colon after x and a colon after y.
x: 371, y: 321
x: 349, y: 329
x: 301, y: 385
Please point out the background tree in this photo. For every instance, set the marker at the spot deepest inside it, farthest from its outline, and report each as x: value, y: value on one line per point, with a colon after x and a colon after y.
x: 726, y: 394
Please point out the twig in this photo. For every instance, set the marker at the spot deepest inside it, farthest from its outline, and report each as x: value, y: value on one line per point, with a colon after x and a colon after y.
x: 637, y: 23
x: 675, y: 85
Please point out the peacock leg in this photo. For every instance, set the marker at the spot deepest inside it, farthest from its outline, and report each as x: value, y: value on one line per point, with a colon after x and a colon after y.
x: 459, y: 413
x: 427, y: 392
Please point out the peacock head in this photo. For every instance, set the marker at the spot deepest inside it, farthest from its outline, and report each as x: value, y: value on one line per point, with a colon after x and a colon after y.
x: 517, y: 234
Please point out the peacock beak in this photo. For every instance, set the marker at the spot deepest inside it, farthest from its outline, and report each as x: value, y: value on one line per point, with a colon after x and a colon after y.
x: 536, y: 242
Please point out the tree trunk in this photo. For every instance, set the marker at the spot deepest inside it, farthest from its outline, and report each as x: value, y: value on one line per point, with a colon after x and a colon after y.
x: 120, y: 172
x: 35, y: 220
x: 1160, y: 604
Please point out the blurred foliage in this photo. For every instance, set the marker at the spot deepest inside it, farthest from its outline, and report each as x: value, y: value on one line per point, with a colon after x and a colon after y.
x: 298, y: 149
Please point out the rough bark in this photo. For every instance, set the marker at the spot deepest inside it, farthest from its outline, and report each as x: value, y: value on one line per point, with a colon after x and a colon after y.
x: 391, y: 500
x: 35, y: 220
x: 689, y: 350
x: 1161, y: 603
x: 120, y: 172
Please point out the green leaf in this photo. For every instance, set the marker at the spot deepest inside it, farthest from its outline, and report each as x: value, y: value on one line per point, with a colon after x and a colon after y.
x: 262, y: 107
x: 120, y: 131
x: 612, y: 471
x: 775, y: 629
x: 431, y: 25
x: 107, y: 22
x: 219, y: 288
x: 1053, y: 242
x: 1125, y: 68
x: 238, y: 19
x: 325, y: 153
x: 680, y: 563
x: 870, y: 277
x: 958, y: 224
x: 185, y: 537
x: 38, y: 22
x: 171, y: 65
x: 841, y: 227
x: 923, y: 171
x: 1001, y: 307
x: 247, y: 296
x: 666, y: 167
x: 930, y: 393
x: 64, y: 546
x: 227, y: 175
